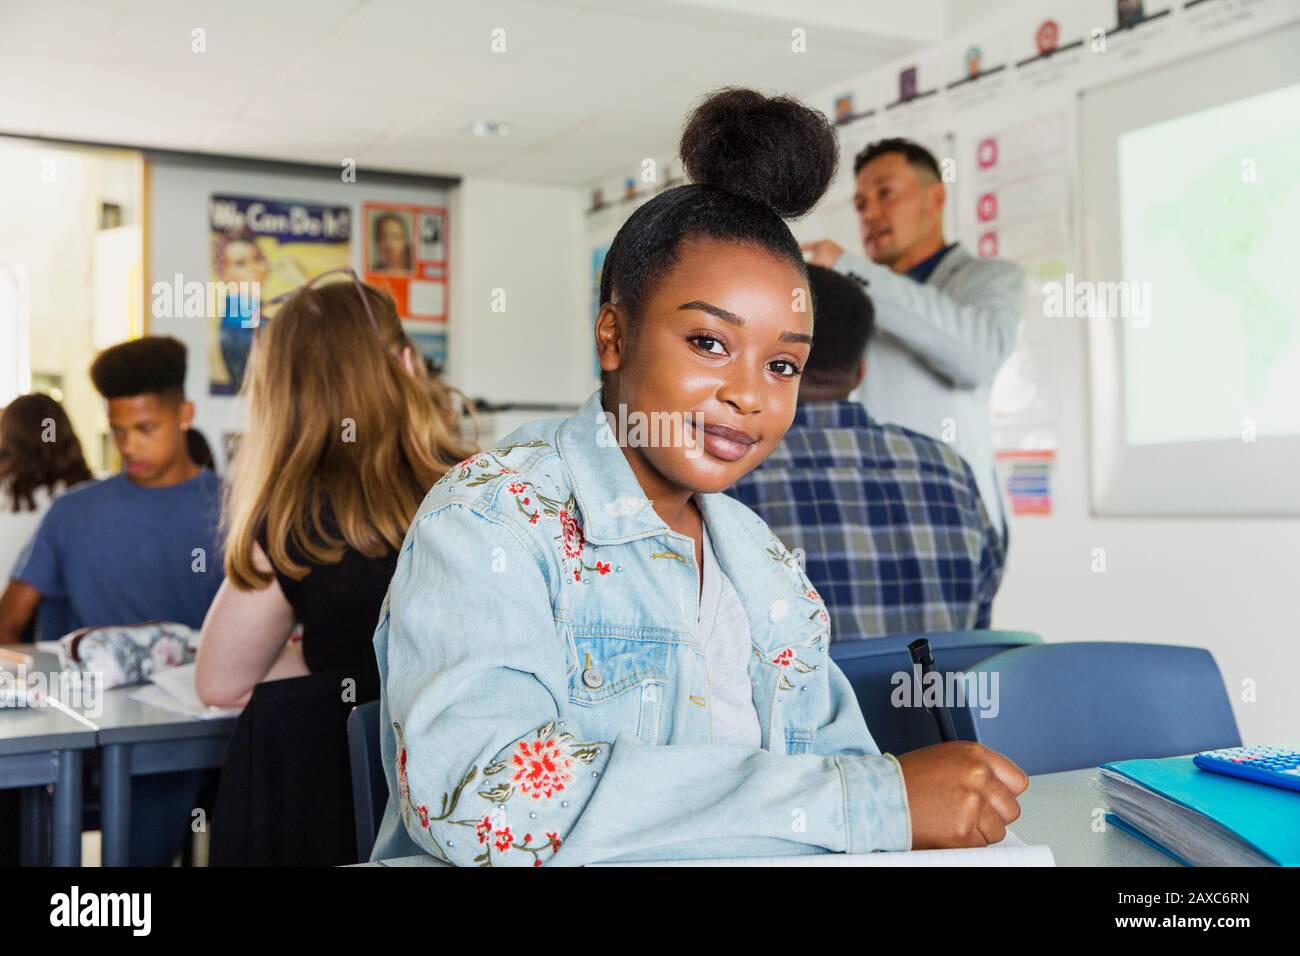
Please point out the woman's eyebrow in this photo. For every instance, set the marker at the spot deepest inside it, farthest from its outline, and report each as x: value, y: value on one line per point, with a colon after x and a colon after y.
x: 734, y: 319
x: 712, y: 309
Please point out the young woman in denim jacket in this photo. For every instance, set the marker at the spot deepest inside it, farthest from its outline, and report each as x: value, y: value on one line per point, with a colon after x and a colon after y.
x: 546, y: 695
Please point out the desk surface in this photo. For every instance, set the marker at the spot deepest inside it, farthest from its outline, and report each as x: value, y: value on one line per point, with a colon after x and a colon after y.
x: 117, y: 717
x: 1058, y: 810
x: 26, y: 730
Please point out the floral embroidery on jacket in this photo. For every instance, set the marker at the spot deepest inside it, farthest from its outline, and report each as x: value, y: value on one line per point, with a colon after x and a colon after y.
x: 541, y: 767
x: 787, y: 658
x: 463, y: 471
x: 570, y: 541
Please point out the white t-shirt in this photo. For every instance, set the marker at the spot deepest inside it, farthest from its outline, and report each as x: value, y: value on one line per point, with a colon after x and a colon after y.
x: 17, y: 528
x: 723, y: 634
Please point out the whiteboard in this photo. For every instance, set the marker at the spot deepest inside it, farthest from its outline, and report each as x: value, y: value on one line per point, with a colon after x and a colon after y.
x: 1191, y: 203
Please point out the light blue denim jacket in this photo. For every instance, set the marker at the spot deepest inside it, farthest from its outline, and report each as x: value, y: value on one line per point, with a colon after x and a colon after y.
x: 544, y: 697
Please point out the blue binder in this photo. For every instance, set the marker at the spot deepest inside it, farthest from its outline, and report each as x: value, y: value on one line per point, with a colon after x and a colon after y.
x: 1268, y: 818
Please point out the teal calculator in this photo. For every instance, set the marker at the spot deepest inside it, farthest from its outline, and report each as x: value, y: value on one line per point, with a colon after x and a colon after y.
x: 1276, y: 766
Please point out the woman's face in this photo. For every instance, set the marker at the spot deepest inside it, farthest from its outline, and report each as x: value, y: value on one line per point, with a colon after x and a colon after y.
x: 392, y: 244
x: 722, y: 341
x: 244, y: 262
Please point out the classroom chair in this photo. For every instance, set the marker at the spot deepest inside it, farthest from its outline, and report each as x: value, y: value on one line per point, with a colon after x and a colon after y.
x: 1076, y: 705
x: 872, y: 663
x: 369, y: 785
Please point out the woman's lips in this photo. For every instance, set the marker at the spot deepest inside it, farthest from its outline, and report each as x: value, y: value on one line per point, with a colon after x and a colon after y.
x: 729, y: 444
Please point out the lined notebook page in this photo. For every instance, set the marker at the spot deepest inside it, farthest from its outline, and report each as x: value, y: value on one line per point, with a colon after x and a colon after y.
x: 1010, y: 852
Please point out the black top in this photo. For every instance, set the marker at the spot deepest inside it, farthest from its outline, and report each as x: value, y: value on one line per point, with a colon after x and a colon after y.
x: 337, y: 604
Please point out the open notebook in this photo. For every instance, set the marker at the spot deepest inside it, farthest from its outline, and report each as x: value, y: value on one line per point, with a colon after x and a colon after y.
x: 1010, y: 852
x: 173, y: 689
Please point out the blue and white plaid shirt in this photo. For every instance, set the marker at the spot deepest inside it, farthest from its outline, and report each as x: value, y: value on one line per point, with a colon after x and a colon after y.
x: 890, y: 523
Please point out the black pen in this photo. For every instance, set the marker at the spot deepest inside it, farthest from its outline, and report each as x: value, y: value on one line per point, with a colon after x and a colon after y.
x: 921, y: 654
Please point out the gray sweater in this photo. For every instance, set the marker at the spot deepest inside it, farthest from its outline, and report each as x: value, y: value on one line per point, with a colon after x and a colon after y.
x: 938, y: 346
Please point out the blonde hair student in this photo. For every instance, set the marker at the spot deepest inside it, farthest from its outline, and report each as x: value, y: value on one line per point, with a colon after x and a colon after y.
x: 346, y: 432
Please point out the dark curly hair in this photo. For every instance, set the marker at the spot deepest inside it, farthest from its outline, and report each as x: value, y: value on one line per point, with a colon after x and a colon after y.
x: 28, y: 461
x: 153, y: 365
x: 755, y: 161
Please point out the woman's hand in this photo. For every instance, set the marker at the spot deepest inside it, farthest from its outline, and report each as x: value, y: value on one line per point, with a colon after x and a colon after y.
x: 960, y: 794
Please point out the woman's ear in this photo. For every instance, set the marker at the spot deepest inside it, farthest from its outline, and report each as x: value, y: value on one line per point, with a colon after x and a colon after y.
x: 408, y: 361
x: 610, y: 337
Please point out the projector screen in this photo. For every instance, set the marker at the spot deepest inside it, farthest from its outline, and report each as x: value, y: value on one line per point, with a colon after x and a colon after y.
x: 1191, y: 194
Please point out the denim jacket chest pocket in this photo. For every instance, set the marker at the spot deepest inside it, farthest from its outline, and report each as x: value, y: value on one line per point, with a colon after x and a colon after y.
x: 619, y: 677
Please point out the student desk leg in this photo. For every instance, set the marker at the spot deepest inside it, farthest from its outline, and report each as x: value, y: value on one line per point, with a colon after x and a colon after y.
x: 65, y: 833
x: 62, y: 768
x: 119, y: 762
x: 115, y: 803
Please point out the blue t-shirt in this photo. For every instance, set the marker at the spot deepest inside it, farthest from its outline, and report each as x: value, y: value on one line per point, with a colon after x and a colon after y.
x: 111, y: 552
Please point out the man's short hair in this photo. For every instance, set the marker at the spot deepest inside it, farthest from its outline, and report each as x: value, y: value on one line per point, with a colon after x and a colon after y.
x: 916, y: 155
x: 154, y: 365
x: 843, y: 318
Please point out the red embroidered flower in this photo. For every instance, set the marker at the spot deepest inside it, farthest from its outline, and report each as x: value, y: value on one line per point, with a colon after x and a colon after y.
x: 577, y: 574
x: 603, y: 567
x: 555, y: 841
x: 572, y: 533
x: 812, y: 594
x: 483, y: 829
x: 423, y: 812
x: 516, y: 487
x: 537, y: 861
x: 504, y: 839
x: 542, y: 767
x: 532, y: 519
x: 785, y: 658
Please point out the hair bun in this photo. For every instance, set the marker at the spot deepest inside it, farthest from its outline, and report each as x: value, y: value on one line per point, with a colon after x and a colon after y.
x: 772, y: 149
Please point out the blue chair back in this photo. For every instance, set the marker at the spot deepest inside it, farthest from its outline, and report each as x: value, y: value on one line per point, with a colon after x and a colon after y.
x: 1076, y: 705
x: 369, y: 785
x: 870, y: 666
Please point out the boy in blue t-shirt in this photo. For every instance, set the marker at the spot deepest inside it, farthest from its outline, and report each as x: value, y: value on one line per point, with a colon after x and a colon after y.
x: 140, y: 546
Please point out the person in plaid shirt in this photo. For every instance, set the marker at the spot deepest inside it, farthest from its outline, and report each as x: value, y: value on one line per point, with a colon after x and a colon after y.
x: 890, y: 522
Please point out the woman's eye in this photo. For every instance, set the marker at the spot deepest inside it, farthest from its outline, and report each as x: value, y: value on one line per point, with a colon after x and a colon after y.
x: 706, y: 342
x: 792, y: 369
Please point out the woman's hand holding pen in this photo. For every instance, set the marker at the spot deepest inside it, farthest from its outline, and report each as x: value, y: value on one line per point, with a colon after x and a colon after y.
x: 960, y: 794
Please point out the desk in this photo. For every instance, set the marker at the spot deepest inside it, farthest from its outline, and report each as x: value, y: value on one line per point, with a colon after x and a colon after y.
x: 41, y: 746
x: 1057, y: 810
x: 136, y: 739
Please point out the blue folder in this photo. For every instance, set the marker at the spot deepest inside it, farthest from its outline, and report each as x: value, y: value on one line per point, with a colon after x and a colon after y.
x: 1268, y: 818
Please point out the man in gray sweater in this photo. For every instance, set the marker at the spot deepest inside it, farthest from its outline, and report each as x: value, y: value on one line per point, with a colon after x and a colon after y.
x: 945, y: 320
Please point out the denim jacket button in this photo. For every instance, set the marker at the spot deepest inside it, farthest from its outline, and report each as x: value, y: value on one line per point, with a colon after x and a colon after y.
x: 593, y: 678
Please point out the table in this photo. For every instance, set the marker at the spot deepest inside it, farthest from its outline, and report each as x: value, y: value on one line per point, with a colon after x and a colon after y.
x: 40, y: 746
x: 134, y: 739
x: 1058, y: 810
x: 137, y: 739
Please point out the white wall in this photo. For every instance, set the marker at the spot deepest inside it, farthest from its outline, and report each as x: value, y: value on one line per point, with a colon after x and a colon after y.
x: 523, y: 238
x: 523, y: 241
x: 50, y: 196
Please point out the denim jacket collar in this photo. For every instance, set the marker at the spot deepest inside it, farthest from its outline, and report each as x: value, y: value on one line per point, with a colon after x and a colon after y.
x: 616, y: 510
x: 614, y: 507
